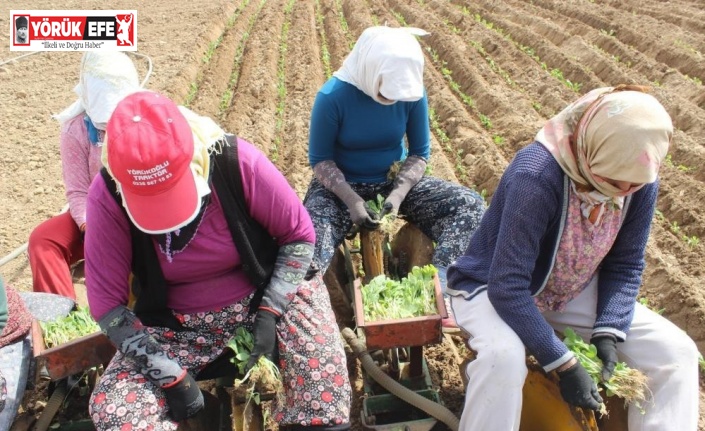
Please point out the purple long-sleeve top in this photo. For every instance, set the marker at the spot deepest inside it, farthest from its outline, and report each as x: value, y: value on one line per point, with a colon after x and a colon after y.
x: 80, y: 163
x: 207, y: 274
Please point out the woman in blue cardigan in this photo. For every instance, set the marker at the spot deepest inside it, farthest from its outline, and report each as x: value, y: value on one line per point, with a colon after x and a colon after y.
x: 562, y: 245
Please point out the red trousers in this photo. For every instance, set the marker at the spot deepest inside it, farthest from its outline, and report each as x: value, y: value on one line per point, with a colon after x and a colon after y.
x: 53, y: 247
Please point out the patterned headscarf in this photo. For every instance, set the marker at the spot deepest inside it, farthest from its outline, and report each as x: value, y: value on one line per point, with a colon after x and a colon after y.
x: 617, y: 133
x: 386, y: 60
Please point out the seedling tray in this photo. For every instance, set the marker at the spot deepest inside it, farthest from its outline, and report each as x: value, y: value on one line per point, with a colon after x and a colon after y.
x: 73, y: 357
x: 415, y: 331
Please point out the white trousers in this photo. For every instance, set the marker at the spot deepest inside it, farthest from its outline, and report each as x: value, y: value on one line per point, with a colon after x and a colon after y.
x: 654, y: 345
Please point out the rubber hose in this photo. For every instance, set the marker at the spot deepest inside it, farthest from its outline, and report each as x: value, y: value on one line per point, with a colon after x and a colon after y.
x: 52, y: 407
x: 428, y: 406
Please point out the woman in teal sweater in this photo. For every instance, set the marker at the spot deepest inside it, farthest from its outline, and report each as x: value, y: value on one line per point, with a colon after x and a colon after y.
x: 372, y: 114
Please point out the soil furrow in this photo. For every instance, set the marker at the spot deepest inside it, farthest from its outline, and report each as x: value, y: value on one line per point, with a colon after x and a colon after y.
x: 304, y: 75
x: 686, y: 116
x: 665, y: 43
x: 496, y: 107
x: 252, y: 115
x: 495, y: 71
x: 604, y: 48
x: 215, y: 85
x: 527, y: 74
x: 683, y: 14
x: 336, y: 36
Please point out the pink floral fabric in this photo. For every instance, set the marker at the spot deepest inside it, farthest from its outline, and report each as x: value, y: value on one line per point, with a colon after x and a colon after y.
x: 580, y: 251
x: 312, y: 363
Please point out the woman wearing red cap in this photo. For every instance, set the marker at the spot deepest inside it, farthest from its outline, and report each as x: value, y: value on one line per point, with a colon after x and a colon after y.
x: 57, y: 243
x: 160, y: 157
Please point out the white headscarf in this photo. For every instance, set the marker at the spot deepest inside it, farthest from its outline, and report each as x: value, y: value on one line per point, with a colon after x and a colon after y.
x: 106, y: 77
x: 386, y: 60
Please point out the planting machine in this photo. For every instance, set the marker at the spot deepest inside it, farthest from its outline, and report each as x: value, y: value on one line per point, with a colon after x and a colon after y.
x: 398, y: 390
x: 399, y: 394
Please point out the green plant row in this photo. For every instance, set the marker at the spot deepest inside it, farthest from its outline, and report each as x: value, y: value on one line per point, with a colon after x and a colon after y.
x: 281, y: 82
x: 193, y: 87
x: 226, y: 98
x: 556, y: 73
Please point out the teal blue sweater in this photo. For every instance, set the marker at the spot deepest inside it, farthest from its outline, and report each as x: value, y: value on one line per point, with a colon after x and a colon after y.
x: 363, y: 137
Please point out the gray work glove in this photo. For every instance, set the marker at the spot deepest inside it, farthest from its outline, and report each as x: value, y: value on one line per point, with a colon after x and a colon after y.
x: 333, y: 180
x: 264, y: 332
x: 130, y: 337
x: 409, y: 175
x: 184, y: 398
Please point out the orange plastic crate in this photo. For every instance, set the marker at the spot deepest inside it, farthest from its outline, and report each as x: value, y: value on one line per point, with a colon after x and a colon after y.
x: 73, y: 357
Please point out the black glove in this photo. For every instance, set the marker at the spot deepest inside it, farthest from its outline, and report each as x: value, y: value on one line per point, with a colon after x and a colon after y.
x: 363, y: 216
x: 265, y: 335
x: 578, y: 389
x: 607, y: 351
x: 184, y: 398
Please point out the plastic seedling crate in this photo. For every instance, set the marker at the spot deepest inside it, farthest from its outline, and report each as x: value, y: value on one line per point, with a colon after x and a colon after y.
x: 415, y: 331
x: 73, y: 357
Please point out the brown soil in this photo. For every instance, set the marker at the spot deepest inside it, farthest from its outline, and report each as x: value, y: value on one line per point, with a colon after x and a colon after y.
x: 255, y: 66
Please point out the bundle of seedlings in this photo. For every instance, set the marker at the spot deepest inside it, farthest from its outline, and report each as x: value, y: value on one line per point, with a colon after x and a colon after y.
x: 413, y: 296
x: 386, y: 220
x: 626, y: 383
x: 76, y: 324
x: 263, y: 377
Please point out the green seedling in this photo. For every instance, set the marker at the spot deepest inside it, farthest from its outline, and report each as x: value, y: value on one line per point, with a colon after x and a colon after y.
x: 627, y: 383
x: 413, y: 296
x: 263, y: 374
x: 77, y: 324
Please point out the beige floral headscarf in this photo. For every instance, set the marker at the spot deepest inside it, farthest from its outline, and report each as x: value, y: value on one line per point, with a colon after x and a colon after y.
x: 617, y: 133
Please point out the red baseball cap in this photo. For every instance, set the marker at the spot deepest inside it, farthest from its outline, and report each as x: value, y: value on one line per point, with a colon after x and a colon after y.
x: 149, y: 151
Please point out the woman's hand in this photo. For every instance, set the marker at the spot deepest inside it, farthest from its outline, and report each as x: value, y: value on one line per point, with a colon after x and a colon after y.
x: 265, y: 335
x: 607, y: 351
x: 363, y: 216
x: 577, y: 387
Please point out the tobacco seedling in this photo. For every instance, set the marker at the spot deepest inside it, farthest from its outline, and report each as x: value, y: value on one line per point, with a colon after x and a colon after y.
x: 412, y: 296
x: 626, y: 383
x: 76, y: 324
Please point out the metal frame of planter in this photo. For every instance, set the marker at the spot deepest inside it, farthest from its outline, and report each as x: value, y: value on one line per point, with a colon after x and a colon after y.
x: 399, y: 345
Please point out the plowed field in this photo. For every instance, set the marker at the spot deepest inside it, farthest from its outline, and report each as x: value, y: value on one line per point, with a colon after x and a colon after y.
x: 495, y: 72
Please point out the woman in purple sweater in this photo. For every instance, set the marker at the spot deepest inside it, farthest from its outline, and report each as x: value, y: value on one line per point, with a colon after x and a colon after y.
x: 159, y: 156
x: 57, y: 243
x: 562, y: 245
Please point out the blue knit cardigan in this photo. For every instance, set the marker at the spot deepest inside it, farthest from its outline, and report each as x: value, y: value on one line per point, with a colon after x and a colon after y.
x: 512, y: 253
